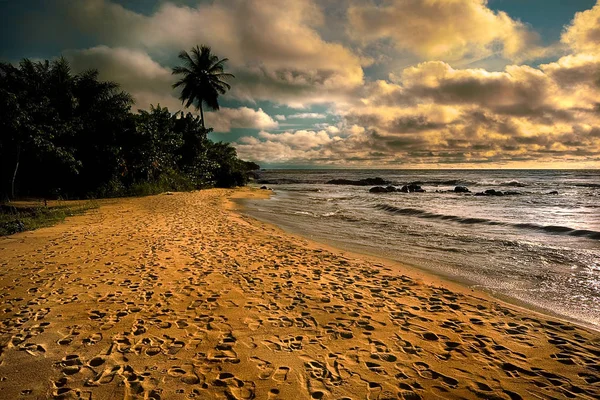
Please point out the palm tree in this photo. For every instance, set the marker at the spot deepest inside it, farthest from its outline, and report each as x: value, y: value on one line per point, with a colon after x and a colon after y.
x: 201, y: 81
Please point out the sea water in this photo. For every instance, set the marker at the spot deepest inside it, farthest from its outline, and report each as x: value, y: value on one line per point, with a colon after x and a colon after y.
x: 534, y: 246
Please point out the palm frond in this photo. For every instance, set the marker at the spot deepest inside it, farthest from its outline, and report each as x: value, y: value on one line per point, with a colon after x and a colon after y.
x: 201, y: 78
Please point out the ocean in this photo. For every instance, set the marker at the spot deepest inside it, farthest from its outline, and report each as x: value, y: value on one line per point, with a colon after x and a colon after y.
x: 538, y: 243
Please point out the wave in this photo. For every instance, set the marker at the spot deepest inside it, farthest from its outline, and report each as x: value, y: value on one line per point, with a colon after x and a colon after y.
x: 444, y: 182
x: 314, y: 190
x: 588, y: 185
x: 284, y: 181
x: 513, y: 184
x: 467, y: 182
x: 552, y: 229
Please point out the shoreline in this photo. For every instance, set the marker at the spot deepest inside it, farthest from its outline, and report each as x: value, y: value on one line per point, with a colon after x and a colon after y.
x: 428, y: 277
x: 180, y: 296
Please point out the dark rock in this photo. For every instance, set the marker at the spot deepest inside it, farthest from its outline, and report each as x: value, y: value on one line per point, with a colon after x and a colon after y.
x: 264, y: 188
x: 360, y: 182
x: 511, y: 193
x: 553, y: 192
x: 378, y: 189
x: 461, y: 189
x: 492, y: 192
x: 412, y: 187
x: 390, y: 189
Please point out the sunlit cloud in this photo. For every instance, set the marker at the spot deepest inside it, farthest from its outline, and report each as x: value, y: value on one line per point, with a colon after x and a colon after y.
x: 444, y: 29
x: 371, y: 83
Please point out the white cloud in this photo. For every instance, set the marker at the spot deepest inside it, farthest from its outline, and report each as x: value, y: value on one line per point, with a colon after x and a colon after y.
x: 285, y: 60
x: 307, y: 116
x: 227, y: 118
x: 301, y: 139
x: 424, y: 113
x: 443, y: 29
x: 583, y: 34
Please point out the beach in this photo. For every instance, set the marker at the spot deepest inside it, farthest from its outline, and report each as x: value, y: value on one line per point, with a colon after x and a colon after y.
x: 180, y: 296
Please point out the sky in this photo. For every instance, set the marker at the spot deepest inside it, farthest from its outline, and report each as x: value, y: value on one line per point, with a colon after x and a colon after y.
x: 352, y: 83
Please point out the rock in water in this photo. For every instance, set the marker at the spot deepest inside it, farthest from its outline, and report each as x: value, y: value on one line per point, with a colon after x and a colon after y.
x: 461, y: 189
x: 412, y: 187
x: 490, y: 192
x: 378, y: 189
x: 360, y: 182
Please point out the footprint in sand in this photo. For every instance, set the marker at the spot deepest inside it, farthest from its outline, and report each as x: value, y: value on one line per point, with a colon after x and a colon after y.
x: 152, y: 351
x: 33, y: 349
x: 265, y: 368
x: 73, y: 332
x: 187, y: 374
x: 93, y: 339
x: 173, y: 346
x: 96, y: 361
x: 281, y: 374
x: 70, y: 364
x: 236, y: 388
x: 105, y: 377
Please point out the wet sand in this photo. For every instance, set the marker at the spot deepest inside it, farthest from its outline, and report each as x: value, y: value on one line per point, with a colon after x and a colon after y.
x: 178, y: 296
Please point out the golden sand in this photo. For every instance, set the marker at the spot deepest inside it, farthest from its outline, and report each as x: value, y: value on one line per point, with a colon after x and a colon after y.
x: 178, y: 296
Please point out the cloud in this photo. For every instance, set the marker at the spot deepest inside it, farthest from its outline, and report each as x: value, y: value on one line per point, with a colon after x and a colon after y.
x: 307, y: 116
x: 444, y: 29
x: 575, y: 70
x: 133, y: 69
x: 517, y: 90
x: 429, y: 111
x: 150, y: 83
x: 227, y: 118
x: 275, y: 52
x: 433, y: 114
x: 583, y: 34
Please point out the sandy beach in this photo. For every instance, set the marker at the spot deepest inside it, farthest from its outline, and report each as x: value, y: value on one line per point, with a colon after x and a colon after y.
x: 180, y: 296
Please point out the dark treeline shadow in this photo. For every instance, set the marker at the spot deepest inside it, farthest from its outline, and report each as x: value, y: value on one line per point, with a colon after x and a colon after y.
x: 66, y: 135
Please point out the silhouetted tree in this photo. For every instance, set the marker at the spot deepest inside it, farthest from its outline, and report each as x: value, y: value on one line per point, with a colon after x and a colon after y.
x: 193, y: 158
x: 202, y: 79
x: 67, y: 134
x: 33, y: 129
x: 229, y: 170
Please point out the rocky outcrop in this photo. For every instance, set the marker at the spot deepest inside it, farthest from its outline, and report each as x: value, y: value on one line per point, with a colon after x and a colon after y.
x: 378, y: 189
x: 360, y: 182
x: 412, y: 188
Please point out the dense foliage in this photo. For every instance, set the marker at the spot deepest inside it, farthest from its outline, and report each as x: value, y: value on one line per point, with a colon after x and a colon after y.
x: 71, y: 135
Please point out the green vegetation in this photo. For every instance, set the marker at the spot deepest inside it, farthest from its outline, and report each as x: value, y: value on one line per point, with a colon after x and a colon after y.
x: 66, y: 135
x: 19, y: 218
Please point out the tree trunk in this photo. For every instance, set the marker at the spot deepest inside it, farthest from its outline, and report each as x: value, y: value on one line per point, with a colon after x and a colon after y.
x: 202, y: 116
x: 14, y: 177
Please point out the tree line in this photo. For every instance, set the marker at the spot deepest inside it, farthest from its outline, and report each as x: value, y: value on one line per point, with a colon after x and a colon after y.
x: 73, y: 135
